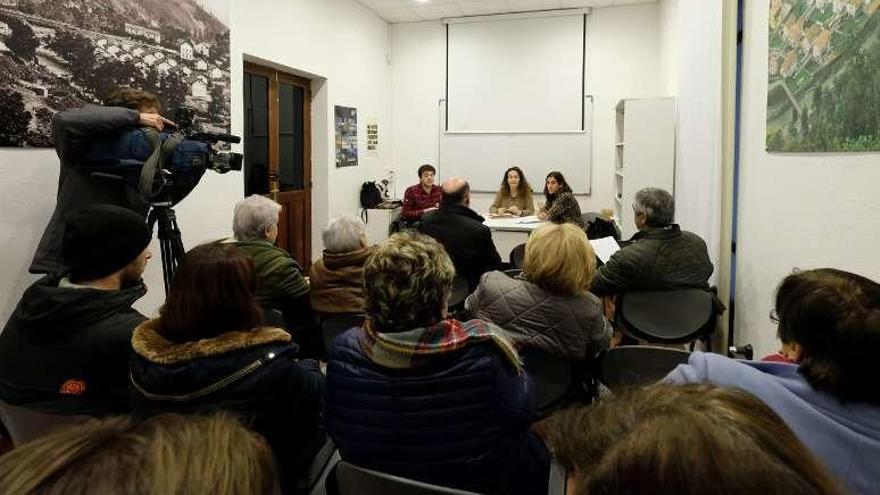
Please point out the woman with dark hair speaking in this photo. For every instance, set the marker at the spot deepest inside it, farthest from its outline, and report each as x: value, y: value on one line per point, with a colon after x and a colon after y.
x: 208, y: 351
x: 561, y: 205
x: 514, y: 198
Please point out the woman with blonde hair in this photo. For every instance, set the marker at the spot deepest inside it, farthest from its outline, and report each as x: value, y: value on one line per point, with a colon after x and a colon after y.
x: 514, y: 198
x: 549, y: 305
x: 168, y: 455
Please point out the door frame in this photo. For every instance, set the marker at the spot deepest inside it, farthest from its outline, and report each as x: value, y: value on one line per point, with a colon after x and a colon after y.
x: 275, y: 76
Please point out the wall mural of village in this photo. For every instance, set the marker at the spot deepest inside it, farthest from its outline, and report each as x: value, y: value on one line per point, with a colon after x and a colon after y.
x: 824, y: 68
x: 60, y: 54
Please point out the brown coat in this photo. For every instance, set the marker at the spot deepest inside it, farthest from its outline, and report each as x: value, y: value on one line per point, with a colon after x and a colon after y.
x: 337, y: 282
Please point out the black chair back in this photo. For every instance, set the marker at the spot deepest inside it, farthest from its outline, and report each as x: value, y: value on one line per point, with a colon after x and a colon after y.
x: 348, y: 479
x: 555, y: 378
x: 513, y: 272
x: 668, y: 317
x: 459, y: 292
x: 336, y: 325
x: 518, y: 255
x: 636, y: 365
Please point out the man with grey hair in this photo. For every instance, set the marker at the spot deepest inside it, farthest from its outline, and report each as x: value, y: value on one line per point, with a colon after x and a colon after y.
x: 660, y: 256
x: 337, y: 279
x: 280, y: 283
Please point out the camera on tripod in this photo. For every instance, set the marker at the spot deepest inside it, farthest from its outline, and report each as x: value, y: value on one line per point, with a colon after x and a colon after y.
x: 157, y: 170
x: 165, y: 167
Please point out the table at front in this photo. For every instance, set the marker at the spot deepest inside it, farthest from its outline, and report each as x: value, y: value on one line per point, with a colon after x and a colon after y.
x: 507, y: 233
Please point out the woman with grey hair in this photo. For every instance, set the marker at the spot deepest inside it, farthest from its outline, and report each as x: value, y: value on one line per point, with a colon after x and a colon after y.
x: 417, y: 394
x: 337, y: 279
x: 280, y: 283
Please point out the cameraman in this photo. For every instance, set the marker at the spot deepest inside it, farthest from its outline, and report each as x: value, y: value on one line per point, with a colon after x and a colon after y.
x: 73, y: 131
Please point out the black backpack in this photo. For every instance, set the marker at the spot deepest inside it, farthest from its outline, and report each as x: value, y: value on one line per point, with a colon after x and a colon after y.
x: 370, y: 195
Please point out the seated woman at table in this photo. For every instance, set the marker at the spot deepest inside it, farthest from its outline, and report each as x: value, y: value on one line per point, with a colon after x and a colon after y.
x: 514, y: 198
x: 561, y: 205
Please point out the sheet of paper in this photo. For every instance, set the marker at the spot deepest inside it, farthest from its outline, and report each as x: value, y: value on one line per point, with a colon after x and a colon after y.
x: 605, y: 247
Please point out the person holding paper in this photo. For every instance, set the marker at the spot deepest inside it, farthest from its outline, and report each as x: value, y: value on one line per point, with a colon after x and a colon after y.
x: 514, y: 198
x: 660, y: 256
x: 561, y: 205
x: 548, y: 306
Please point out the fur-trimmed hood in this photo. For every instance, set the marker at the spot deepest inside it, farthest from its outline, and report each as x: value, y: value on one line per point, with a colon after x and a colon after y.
x: 148, y: 343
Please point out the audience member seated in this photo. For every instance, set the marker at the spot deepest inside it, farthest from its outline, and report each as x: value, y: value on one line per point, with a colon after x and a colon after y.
x: 830, y: 399
x: 72, y: 132
x: 661, y: 256
x: 514, y: 198
x: 422, y: 197
x: 208, y: 351
x: 65, y: 348
x: 549, y: 306
x: 683, y: 439
x: 429, y: 398
x: 168, y: 454
x: 461, y: 231
x: 280, y: 283
x: 561, y: 206
x: 337, y: 279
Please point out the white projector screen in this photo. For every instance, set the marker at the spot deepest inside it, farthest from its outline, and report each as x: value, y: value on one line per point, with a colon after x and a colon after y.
x: 516, y: 74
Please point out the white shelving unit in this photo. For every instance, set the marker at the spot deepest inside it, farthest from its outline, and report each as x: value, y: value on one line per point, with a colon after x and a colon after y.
x: 644, y: 153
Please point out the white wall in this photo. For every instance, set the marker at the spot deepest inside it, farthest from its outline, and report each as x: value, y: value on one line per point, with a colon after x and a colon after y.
x: 691, y: 56
x: 623, y: 60
x: 342, y: 43
x: 795, y: 210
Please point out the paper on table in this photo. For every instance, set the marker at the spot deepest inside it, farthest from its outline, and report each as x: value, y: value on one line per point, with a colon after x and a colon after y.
x: 605, y: 247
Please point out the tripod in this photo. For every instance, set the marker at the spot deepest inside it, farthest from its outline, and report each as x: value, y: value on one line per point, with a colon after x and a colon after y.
x: 170, y: 244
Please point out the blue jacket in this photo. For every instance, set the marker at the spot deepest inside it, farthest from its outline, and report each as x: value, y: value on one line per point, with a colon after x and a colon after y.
x: 845, y: 437
x: 460, y: 420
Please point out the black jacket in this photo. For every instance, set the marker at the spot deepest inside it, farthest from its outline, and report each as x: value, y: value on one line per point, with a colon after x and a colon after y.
x: 466, y: 239
x: 66, y: 350
x: 253, y: 374
x: 71, y: 131
x: 657, y: 259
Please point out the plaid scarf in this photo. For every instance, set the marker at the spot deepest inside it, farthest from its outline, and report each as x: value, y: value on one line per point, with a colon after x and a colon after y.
x: 409, y: 349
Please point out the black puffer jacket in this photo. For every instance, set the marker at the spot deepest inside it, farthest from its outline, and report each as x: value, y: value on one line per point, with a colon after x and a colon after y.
x: 460, y: 420
x: 66, y: 349
x: 253, y: 373
x: 657, y: 259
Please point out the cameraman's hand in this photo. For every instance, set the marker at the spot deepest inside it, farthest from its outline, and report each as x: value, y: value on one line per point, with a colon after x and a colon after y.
x: 155, y: 121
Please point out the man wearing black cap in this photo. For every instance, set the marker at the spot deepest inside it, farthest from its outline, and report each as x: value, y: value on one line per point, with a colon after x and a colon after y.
x: 65, y: 349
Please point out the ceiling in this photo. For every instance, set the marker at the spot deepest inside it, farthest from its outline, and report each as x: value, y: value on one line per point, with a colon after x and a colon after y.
x: 414, y: 11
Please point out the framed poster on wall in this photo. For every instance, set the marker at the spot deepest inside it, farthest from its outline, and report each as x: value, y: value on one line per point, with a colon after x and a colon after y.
x: 824, y: 71
x: 346, y: 137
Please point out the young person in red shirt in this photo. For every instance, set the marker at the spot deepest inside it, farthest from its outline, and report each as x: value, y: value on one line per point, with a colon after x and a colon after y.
x: 422, y: 197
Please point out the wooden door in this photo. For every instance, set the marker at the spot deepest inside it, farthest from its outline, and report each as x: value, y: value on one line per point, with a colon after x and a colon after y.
x: 277, y: 151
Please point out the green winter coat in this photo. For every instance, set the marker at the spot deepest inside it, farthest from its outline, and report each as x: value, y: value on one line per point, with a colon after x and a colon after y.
x: 279, y: 276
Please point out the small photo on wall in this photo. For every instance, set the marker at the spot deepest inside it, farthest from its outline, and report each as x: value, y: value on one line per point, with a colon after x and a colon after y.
x: 346, y: 137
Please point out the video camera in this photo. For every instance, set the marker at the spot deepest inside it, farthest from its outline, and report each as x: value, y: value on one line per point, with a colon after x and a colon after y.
x: 165, y: 166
